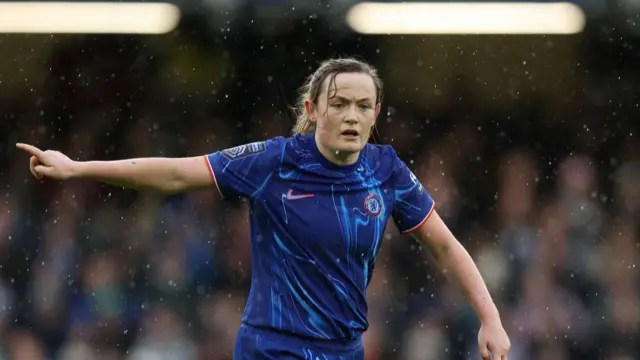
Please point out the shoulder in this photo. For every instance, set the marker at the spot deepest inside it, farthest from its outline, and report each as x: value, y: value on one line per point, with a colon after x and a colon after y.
x: 299, y: 140
x: 382, y: 156
x: 297, y: 148
x: 387, y: 164
x: 257, y: 150
x: 382, y: 161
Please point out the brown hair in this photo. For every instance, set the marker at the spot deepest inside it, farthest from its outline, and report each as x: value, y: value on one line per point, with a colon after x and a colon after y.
x: 313, y: 85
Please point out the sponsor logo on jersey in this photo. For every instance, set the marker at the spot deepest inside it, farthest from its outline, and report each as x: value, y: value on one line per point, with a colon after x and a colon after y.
x: 291, y: 196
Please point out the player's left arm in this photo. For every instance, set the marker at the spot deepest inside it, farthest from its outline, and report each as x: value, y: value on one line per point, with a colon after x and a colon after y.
x: 415, y: 214
x: 457, y: 265
x: 459, y: 268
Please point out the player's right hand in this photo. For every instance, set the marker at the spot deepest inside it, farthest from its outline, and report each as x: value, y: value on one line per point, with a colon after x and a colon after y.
x: 50, y: 163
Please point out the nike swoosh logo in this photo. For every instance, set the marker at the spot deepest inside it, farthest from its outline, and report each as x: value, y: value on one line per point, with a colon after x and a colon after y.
x: 291, y: 196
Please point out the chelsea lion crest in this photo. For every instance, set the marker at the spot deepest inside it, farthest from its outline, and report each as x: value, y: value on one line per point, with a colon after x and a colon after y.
x: 373, y: 205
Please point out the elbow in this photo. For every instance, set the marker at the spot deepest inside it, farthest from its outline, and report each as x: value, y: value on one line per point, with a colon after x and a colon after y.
x: 443, y: 248
x: 172, y: 187
x: 175, y: 183
x: 440, y: 252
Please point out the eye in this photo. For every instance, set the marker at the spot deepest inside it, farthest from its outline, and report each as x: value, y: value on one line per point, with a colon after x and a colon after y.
x: 365, y: 106
x: 338, y: 105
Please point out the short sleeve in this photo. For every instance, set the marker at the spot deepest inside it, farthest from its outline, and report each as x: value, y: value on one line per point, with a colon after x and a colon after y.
x: 243, y: 171
x: 413, y: 205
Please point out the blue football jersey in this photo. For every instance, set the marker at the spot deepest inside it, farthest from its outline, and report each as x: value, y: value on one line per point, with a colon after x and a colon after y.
x: 316, y: 228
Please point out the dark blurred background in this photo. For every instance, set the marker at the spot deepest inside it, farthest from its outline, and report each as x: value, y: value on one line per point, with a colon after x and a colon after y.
x: 528, y: 143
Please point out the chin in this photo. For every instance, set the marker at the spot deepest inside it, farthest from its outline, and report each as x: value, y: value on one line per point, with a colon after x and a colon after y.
x: 351, y: 146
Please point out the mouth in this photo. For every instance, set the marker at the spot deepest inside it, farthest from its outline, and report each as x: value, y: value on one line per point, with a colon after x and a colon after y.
x: 350, y: 134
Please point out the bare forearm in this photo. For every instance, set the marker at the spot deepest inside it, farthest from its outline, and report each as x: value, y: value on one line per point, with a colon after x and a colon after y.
x: 459, y: 268
x: 158, y: 174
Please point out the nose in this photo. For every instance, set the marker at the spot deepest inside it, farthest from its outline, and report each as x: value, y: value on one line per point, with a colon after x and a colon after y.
x: 351, y: 116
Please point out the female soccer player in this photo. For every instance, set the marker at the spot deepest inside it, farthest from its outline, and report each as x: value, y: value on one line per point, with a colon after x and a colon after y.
x: 319, y: 203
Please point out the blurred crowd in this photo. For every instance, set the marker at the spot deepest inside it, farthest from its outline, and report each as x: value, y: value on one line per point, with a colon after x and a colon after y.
x: 548, y: 209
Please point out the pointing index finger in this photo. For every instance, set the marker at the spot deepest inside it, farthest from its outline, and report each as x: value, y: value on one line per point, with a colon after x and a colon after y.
x: 30, y: 149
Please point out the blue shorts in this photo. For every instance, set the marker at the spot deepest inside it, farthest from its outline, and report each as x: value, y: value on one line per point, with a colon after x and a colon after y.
x: 265, y: 344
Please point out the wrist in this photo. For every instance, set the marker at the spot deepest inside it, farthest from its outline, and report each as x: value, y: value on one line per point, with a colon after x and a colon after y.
x: 77, y: 169
x: 489, y: 315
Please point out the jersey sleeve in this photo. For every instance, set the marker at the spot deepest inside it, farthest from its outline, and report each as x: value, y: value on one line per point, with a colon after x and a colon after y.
x: 243, y: 171
x: 413, y: 205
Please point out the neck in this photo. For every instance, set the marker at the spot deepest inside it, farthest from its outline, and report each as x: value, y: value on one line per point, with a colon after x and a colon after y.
x: 338, y: 157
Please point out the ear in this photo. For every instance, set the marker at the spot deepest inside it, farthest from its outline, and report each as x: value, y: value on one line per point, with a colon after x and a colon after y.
x: 310, y: 110
x: 378, y: 107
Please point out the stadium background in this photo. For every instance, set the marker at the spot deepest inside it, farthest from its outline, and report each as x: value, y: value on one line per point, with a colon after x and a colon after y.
x: 528, y: 143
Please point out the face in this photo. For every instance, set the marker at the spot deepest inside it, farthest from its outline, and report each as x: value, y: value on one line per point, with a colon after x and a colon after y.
x: 345, y: 118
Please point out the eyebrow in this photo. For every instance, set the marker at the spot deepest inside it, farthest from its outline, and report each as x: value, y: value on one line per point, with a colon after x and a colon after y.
x: 347, y: 99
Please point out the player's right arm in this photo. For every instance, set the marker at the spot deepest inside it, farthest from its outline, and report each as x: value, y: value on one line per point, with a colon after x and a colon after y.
x: 165, y: 175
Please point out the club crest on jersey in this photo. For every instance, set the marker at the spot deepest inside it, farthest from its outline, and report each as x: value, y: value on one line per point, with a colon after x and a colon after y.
x: 243, y: 151
x: 373, y: 205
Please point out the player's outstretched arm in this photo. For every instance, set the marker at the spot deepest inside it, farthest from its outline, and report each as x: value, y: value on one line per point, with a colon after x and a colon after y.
x: 458, y: 266
x: 166, y: 175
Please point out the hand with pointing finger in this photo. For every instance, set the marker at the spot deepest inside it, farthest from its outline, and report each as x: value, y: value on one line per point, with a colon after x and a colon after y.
x: 50, y: 163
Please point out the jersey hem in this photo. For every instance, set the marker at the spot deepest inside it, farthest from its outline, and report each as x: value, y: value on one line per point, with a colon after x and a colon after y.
x: 413, y: 229
x: 338, y: 345
x: 213, y: 175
